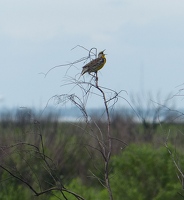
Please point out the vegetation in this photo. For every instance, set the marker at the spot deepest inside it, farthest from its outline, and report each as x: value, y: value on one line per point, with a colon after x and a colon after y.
x: 142, y: 170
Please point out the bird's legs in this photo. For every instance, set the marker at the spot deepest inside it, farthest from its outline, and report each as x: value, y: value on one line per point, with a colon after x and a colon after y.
x: 96, y: 78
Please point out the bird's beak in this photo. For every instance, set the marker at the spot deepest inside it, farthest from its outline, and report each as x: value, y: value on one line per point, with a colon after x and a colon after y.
x: 103, y: 51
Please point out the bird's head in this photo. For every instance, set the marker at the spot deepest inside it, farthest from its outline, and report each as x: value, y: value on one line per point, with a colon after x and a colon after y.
x: 101, y: 54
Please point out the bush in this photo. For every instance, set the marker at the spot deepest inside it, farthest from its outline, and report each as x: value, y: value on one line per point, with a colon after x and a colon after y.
x: 11, y: 190
x: 140, y: 172
x: 89, y: 193
x: 143, y: 172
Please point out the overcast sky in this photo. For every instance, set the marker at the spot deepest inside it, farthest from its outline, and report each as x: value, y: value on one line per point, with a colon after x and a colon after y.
x: 144, y: 42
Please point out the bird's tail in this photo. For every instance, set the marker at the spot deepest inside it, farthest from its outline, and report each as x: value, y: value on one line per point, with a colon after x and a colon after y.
x: 84, y: 70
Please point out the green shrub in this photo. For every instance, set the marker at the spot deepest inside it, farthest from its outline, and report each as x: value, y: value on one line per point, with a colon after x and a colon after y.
x: 88, y: 193
x: 143, y: 173
x: 10, y: 189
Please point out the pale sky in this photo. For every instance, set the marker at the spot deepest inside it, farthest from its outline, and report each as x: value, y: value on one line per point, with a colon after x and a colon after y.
x: 144, y: 42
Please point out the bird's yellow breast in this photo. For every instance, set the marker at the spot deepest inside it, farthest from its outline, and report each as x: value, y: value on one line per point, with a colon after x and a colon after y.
x: 103, y: 63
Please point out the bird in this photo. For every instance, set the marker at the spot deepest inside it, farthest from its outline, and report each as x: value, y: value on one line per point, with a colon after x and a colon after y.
x: 95, y: 65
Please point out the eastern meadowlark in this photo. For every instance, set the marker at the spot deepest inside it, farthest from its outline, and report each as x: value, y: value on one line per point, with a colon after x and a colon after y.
x: 95, y: 64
